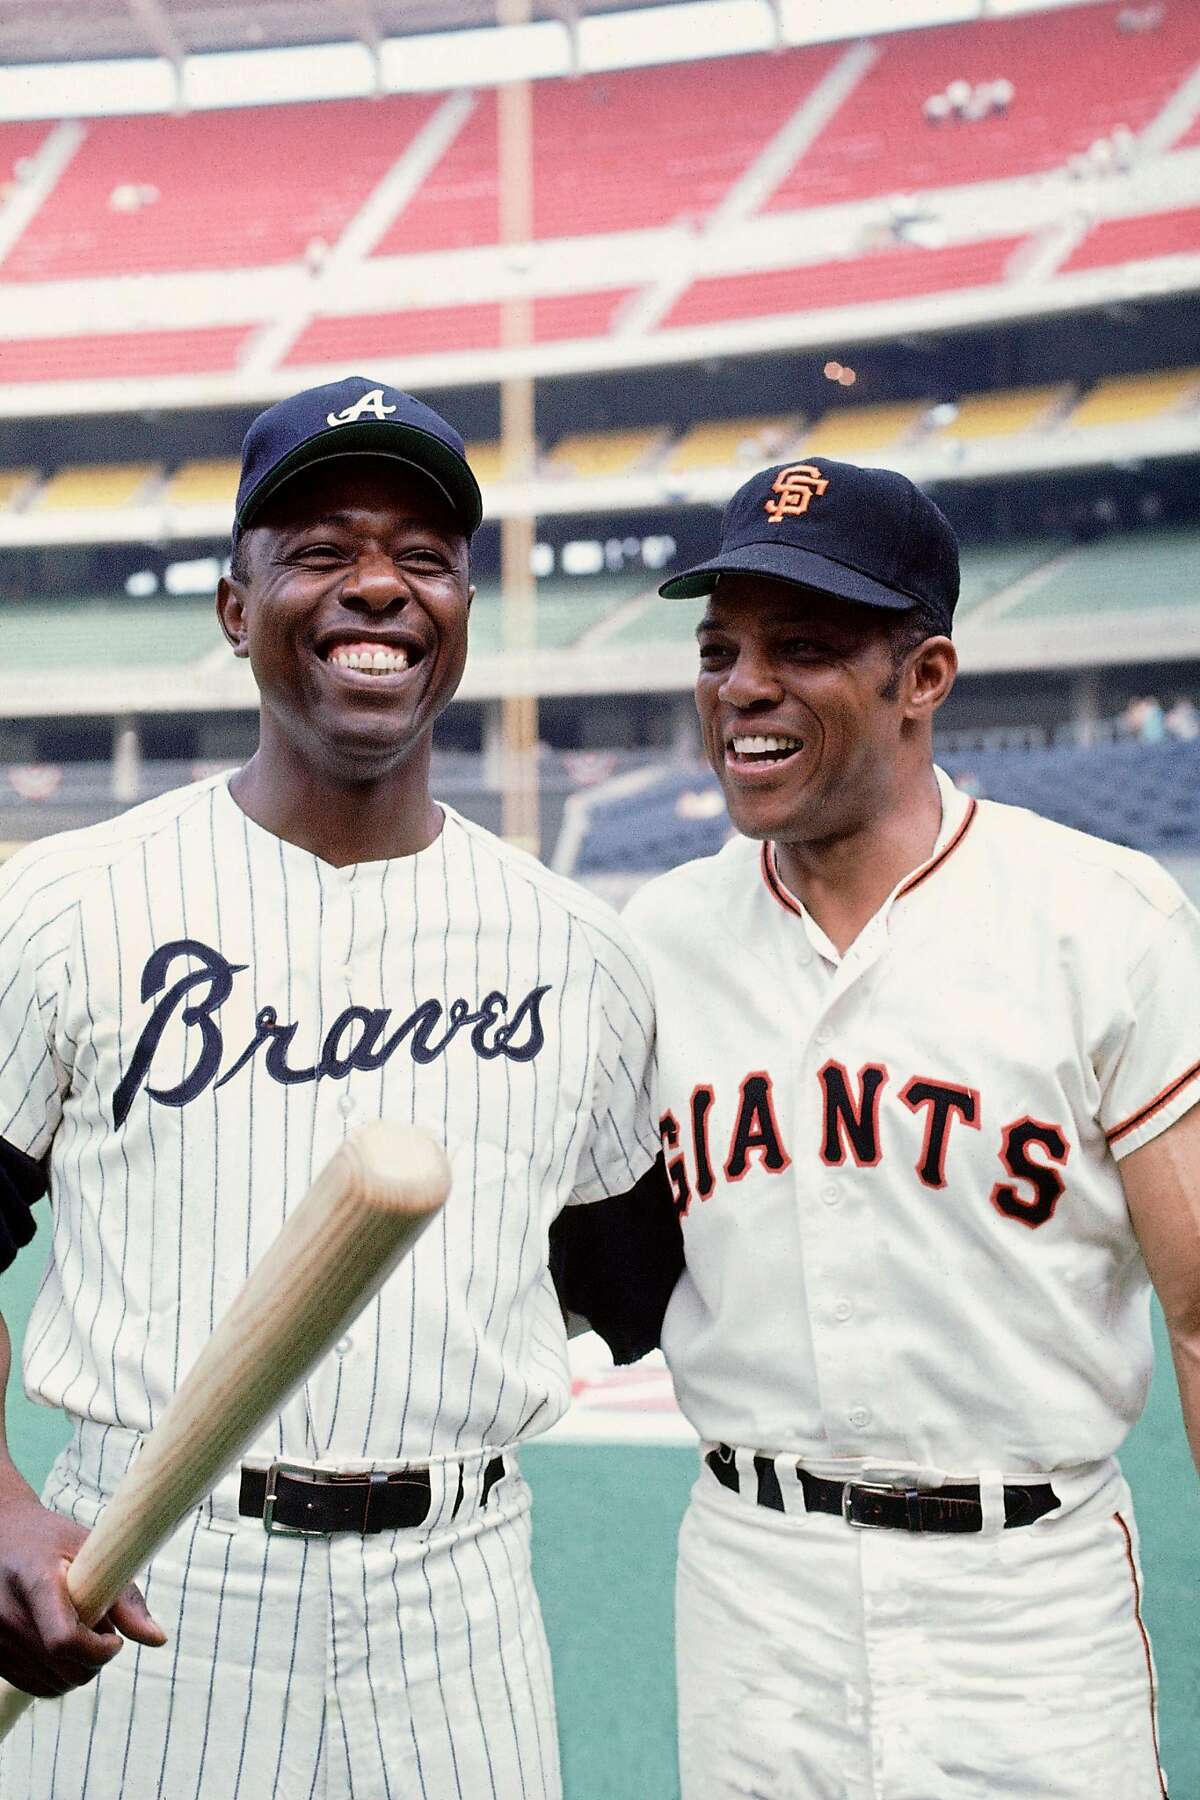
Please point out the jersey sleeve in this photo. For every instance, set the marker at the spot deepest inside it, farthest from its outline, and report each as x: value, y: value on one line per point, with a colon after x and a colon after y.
x: 1149, y: 1062
x: 34, y: 937
x: 621, y: 1139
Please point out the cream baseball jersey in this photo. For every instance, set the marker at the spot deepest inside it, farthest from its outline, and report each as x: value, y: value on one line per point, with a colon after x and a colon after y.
x: 192, y: 1015
x: 907, y: 1240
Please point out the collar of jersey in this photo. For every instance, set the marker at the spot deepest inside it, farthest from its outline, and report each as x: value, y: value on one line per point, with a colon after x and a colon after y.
x: 958, y: 810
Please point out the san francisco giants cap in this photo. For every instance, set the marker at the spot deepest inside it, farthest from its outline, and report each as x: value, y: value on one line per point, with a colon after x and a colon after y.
x: 866, y: 535
x: 355, y: 417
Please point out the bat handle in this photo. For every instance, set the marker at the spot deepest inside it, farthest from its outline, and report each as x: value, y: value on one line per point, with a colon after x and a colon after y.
x: 91, y: 1598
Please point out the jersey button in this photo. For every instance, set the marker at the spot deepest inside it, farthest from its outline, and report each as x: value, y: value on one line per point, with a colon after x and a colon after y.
x: 843, y: 1310
x: 829, y: 1195
x: 345, y: 1106
x: 860, y: 1417
x: 821, y: 1037
x: 344, y: 1346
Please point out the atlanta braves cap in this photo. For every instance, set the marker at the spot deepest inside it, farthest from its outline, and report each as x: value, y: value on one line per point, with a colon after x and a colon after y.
x: 354, y: 417
x: 866, y: 535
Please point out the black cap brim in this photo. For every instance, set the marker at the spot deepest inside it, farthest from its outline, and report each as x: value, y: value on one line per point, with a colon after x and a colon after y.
x: 786, y: 562
x: 408, y: 444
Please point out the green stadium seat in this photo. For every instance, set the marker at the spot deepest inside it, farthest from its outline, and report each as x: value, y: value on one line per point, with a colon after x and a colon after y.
x: 1129, y: 572
x: 106, y: 632
x: 988, y: 569
x: 567, y: 607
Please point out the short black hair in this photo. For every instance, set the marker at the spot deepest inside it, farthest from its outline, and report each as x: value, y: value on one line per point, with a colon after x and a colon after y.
x: 909, y: 630
x: 239, y: 562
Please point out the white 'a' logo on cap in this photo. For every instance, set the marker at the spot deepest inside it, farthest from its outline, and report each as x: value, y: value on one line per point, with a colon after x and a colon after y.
x: 372, y: 403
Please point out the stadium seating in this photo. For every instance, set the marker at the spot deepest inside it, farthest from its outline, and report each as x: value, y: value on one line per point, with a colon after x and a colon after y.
x: 1113, y: 574
x: 986, y: 570
x: 850, y: 431
x: 83, y: 486
x: 1138, y: 239
x: 476, y: 326
x: 879, y: 275
x: 657, y: 622
x: 726, y: 443
x: 1127, y: 399
x: 214, y: 190
x: 204, y: 481
x: 615, y: 152
x: 1005, y: 412
x: 209, y: 349
x: 1075, y: 78
x: 989, y: 569
x: 1147, y: 797
x: 566, y: 608
x: 18, y: 142
x: 598, y: 454
x: 106, y: 632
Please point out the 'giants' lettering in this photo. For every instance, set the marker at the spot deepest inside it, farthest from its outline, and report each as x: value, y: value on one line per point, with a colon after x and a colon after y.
x: 945, y: 1103
x: 859, y: 1122
x: 755, y: 1131
x: 1031, y: 1150
x: 1047, y: 1184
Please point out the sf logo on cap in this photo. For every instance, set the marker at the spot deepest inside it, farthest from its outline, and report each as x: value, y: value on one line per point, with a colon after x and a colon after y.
x: 373, y: 403
x: 796, y: 486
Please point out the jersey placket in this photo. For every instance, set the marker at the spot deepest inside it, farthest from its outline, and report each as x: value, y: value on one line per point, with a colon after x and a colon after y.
x: 838, y: 1232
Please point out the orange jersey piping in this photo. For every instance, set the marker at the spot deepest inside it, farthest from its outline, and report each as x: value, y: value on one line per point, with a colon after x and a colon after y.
x: 1152, y: 1106
x: 775, y: 886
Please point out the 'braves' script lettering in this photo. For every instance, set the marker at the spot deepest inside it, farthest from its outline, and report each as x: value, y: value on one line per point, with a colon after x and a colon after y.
x: 361, y: 1037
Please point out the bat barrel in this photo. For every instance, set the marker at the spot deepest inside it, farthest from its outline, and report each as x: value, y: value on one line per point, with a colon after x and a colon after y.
x: 363, y: 1213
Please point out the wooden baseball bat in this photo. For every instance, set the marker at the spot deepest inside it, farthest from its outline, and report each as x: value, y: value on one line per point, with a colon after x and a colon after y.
x: 365, y: 1210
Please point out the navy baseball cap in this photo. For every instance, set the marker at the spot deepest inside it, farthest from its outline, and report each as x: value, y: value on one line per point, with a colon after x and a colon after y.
x: 866, y: 535
x: 355, y: 417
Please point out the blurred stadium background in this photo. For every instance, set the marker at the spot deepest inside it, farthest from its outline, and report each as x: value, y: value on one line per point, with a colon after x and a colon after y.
x: 633, y: 251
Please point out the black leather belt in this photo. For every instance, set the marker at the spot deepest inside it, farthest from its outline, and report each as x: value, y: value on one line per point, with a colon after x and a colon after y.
x: 293, y: 1499
x: 894, y: 1508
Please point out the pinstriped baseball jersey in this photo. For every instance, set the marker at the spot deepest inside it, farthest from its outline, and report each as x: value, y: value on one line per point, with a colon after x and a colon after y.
x: 193, y: 1013
x: 907, y: 1240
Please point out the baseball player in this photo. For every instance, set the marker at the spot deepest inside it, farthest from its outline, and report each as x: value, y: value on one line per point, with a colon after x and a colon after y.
x: 197, y: 1001
x: 928, y: 1075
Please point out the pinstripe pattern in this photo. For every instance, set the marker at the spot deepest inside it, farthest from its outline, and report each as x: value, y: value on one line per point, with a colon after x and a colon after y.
x: 465, y: 988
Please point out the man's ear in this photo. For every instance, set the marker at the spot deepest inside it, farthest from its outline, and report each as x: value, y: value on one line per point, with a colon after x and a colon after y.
x: 231, y: 613
x: 930, y: 677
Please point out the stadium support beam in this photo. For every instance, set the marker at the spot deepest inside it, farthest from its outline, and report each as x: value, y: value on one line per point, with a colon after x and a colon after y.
x: 568, y: 12
x: 521, y: 799
x: 126, y: 759
x: 153, y: 20
x: 360, y: 16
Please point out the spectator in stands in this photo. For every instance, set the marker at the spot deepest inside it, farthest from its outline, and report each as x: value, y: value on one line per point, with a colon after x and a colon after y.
x: 1182, y: 721
x: 1144, y: 719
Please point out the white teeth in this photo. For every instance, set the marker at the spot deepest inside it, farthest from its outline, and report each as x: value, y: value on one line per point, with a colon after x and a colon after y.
x: 765, y: 746
x: 380, y: 661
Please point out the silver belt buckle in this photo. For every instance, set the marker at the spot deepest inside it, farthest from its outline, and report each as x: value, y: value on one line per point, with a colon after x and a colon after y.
x: 884, y: 1490
x: 273, y: 1472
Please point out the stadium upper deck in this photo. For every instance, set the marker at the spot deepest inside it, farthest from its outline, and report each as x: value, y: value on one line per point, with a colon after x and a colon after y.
x: 987, y: 168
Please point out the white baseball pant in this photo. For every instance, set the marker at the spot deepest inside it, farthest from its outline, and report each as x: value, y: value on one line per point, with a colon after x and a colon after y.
x: 820, y: 1662
x: 409, y: 1665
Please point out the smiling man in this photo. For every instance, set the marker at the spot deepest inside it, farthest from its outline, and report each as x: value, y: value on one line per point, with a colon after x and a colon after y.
x: 928, y: 1070
x: 197, y: 1001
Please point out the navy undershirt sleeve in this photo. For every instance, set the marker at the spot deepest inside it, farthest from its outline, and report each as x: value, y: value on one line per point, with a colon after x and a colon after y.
x: 22, y: 1181
x: 616, y: 1263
